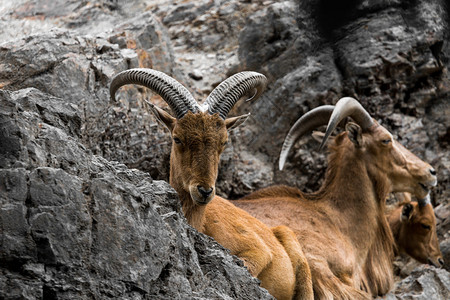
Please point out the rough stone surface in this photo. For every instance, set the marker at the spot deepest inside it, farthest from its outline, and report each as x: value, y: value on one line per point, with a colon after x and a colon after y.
x: 76, y: 226
x: 79, y: 221
x: 423, y: 283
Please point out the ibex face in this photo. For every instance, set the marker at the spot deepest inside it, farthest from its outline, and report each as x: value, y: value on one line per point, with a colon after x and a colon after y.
x: 199, y: 132
x: 198, y: 141
x: 416, y: 232
x: 405, y: 171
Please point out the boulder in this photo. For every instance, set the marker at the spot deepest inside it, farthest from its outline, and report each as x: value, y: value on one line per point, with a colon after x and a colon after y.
x: 75, y: 225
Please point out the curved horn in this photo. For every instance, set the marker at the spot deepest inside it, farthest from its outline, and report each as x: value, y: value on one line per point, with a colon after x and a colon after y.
x: 226, y: 94
x: 347, y: 107
x: 176, y: 95
x: 311, y: 120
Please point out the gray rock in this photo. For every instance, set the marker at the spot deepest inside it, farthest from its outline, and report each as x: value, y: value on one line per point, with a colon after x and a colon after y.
x: 271, y: 41
x: 75, y: 225
x: 423, y: 283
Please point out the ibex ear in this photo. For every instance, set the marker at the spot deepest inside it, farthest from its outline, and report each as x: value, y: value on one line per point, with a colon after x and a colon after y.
x: 234, y: 122
x: 407, y: 212
x: 163, y: 117
x: 354, y: 132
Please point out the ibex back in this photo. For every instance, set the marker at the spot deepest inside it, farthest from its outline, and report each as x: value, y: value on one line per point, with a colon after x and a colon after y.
x: 342, y: 227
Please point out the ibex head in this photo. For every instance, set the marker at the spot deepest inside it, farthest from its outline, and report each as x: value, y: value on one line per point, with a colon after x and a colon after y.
x: 368, y: 143
x: 416, y: 235
x: 199, y: 132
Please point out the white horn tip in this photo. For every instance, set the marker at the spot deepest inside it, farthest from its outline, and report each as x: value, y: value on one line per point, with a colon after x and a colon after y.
x: 281, y: 163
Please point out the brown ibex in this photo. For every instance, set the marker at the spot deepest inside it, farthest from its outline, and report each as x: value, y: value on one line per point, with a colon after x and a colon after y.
x: 199, y: 134
x: 413, y: 225
x: 342, y: 227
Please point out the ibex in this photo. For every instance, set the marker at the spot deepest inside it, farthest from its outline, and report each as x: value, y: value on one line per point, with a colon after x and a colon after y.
x: 342, y: 227
x: 413, y: 226
x: 199, y: 134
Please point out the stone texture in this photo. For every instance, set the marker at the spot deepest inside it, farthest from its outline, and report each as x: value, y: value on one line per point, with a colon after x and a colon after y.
x: 423, y: 283
x: 75, y: 225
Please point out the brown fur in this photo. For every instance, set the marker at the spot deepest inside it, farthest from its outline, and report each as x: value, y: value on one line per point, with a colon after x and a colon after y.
x: 415, y: 233
x: 342, y: 227
x: 272, y: 255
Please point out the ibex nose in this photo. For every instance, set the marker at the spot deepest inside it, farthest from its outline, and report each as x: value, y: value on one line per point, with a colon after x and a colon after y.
x: 433, y: 172
x: 204, y: 192
x: 441, y: 262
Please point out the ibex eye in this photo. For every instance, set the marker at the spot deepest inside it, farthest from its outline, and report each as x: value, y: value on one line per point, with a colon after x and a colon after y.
x: 177, y: 140
x: 427, y: 227
x: 386, y: 142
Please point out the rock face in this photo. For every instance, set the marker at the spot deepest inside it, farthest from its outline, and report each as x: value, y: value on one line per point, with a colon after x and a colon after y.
x: 76, y: 226
x: 85, y: 210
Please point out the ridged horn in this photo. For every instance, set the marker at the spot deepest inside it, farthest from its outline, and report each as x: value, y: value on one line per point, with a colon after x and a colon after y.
x: 311, y: 120
x: 347, y: 107
x: 226, y: 94
x: 174, y: 93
